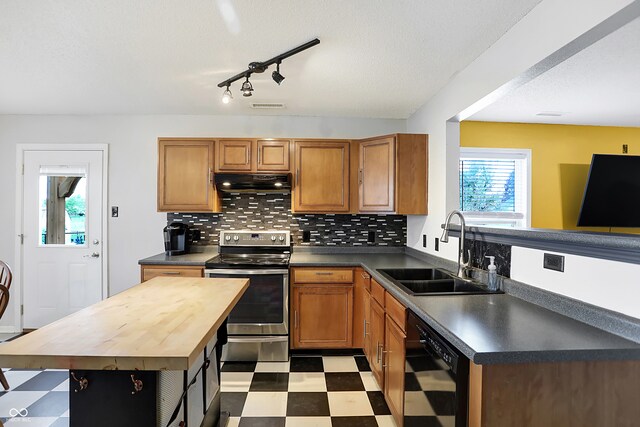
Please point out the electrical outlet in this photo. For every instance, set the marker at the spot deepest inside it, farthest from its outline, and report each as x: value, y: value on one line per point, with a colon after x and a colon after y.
x: 306, y: 236
x: 424, y: 240
x: 553, y: 262
x: 437, y: 245
x: 114, y: 211
x: 371, y: 237
x: 625, y: 149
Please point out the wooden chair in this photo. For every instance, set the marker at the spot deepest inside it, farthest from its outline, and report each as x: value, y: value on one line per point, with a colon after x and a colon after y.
x: 4, y: 302
x: 5, y: 275
x: 5, y: 284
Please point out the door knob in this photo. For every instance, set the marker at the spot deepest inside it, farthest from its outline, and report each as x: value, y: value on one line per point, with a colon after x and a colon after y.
x: 93, y: 255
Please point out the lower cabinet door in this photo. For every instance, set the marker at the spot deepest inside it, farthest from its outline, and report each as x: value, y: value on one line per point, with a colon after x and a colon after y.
x: 322, y: 316
x: 367, y: 326
x: 377, y: 341
x: 394, y: 358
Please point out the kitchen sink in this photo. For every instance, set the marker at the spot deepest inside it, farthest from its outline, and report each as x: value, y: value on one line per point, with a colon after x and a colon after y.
x: 415, y: 274
x: 431, y: 281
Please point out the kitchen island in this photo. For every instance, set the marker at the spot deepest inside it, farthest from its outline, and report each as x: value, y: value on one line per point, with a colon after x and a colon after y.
x: 144, y: 357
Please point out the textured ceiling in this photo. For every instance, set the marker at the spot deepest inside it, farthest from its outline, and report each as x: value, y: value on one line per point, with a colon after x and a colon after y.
x: 598, y: 86
x: 377, y: 58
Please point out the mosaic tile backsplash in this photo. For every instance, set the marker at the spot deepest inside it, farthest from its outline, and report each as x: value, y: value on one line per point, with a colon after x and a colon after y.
x: 272, y: 211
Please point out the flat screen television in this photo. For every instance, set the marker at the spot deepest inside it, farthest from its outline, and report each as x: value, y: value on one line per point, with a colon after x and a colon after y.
x: 612, y: 194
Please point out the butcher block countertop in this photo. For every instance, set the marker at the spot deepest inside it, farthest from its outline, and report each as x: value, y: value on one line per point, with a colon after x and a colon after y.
x: 161, y: 324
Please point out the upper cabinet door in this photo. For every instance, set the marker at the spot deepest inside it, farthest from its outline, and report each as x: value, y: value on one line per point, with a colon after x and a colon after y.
x: 273, y: 155
x: 376, y: 175
x: 185, y: 172
x: 234, y: 155
x: 322, y: 176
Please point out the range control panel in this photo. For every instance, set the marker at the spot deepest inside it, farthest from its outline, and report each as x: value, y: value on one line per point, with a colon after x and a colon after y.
x: 254, y: 238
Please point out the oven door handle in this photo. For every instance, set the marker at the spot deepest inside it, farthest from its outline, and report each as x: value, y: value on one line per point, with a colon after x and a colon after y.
x: 210, y: 273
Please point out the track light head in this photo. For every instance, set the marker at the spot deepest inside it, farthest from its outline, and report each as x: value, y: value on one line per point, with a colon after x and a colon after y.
x: 226, y: 96
x: 276, y: 76
x: 247, y: 88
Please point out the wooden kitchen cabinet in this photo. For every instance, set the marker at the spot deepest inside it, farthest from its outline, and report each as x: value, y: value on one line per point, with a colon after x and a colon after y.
x: 273, y: 155
x: 234, y: 155
x: 394, y: 356
x: 555, y: 394
x: 185, y: 176
x: 321, y: 176
x: 392, y: 174
x: 360, y: 286
x: 322, y: 316
x: 148, y: 272
x: 377, y: 342
x: 253, y: 155
x: 321, y: 307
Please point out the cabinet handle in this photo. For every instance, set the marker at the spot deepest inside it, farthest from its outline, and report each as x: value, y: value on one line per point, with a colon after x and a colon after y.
x: 259, y: 156
x: 171, y: 273
x: 297, y: 176
x: 324, y: 273
x: 382, y: 353
x: 210, y: 177
x: 378, y: 352
x: 295, y: 319
x: 365, y: 328
x: 365, y: 276
x: 360, y: 176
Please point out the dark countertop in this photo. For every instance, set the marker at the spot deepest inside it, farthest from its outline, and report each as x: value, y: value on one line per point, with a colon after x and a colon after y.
x: 490, y: 329
x: 195, y: 258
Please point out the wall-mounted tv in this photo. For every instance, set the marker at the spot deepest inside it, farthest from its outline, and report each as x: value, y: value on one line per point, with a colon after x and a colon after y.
x: 612, y: 194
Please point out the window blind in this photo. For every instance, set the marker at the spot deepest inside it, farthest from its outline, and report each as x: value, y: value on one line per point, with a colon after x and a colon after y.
x: 488, y: 185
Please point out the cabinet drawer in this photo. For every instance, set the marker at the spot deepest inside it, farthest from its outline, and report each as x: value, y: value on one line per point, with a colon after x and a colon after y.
x: 322, y: 275
x: 171, y: 271
x: 396, y: 311
x: 377, y: 292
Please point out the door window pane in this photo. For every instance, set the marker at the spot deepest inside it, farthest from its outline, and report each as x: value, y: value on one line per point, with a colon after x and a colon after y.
x: 62, y: 200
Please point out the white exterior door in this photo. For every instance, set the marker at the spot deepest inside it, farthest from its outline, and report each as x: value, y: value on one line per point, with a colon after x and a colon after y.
x: 62, y: 232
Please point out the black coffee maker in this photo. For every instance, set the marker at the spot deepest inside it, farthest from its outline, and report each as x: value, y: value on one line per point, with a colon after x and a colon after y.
x: 177, y: 239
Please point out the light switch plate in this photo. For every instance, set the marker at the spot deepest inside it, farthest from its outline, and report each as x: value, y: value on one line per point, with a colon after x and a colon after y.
x: 553, y: 262
x: 114, y: 211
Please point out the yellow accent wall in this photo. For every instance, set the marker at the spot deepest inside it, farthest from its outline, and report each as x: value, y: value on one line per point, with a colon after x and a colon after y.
x: 560, y: 159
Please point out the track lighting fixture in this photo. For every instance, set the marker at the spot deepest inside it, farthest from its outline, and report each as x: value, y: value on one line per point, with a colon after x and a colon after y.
x: 226, y: 96
x: 276, y: 76
x: 247, y: 88
x: 261, y: 67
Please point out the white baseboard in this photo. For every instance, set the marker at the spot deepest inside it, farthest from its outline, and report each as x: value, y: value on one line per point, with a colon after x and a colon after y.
x: 9, y: 330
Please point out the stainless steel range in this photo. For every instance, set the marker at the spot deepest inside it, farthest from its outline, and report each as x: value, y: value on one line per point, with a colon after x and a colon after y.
x: 258, y: 326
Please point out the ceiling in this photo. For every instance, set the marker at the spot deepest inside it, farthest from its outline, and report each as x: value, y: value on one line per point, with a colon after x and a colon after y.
x: 598, y: 86
x: 377, y: 58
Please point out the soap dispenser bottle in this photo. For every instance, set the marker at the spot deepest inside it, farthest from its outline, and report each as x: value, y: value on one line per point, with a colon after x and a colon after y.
x: 492, y: 276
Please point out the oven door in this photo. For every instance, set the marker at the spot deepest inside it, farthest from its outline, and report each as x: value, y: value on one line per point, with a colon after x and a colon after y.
x: 264, y: 307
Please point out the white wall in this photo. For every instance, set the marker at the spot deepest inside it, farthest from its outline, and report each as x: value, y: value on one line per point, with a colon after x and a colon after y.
x: 609, y: 284
x: 547, y: 28
x: 137, y: 233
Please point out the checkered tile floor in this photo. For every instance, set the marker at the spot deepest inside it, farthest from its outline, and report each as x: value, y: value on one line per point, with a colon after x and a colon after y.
x: 322, y: 391
x: 319, y: 391
x: 44, y: 395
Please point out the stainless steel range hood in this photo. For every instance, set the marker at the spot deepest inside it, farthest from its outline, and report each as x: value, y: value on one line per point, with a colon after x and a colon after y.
x: 253, y: 183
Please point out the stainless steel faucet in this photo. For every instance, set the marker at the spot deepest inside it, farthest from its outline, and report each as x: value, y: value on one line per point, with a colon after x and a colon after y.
x: 462, y: 265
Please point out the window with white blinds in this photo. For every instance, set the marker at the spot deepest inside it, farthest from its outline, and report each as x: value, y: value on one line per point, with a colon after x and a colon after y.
x: 494, y: 186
